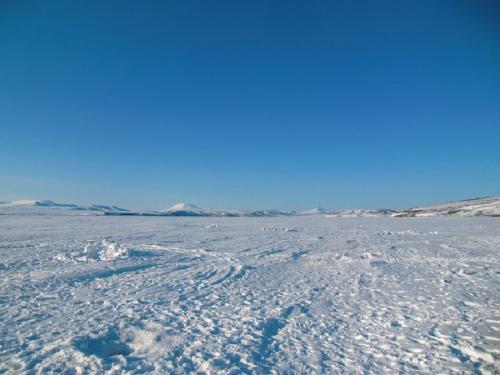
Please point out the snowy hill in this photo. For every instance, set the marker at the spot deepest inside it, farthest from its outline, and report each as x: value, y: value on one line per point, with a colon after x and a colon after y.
x: 37, y: 207
x: 269, y: 213
x: 49, y: 207
x: 363, y: 213
x: 472, y: 207
x: 102, y: 207
x: 186, y: 209
x: 36, y: 203
x: 189, y: 209
x: 315, y: 211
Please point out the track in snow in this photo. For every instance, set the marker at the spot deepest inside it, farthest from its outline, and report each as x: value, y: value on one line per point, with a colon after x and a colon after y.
x: 249, y: 295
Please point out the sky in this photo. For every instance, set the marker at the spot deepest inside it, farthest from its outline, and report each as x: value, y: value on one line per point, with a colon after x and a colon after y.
x: 249, y: 104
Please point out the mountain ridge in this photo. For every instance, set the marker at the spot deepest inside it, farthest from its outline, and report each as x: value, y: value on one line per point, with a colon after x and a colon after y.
x: 484, y: 206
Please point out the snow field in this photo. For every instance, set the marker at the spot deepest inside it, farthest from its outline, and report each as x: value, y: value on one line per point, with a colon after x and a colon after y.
x: 249, y: 295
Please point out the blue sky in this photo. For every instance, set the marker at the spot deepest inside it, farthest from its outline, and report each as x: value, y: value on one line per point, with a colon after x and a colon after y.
x: 249, y: 104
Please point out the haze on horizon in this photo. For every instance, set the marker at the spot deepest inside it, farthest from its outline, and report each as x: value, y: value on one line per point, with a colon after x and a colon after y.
x: 249, y: 105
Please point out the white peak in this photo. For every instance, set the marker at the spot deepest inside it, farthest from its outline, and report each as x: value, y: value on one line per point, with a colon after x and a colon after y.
x: 24, y: 202
x: 36, y: 203
x: 363, y: 213
x: 315, y: 211
x: 183, y: 207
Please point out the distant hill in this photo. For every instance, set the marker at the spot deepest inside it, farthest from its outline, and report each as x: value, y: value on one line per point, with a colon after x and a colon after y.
x: 363, y: 213
x: 472, y: 207
x: 47, y: 207
x: 315, y: 211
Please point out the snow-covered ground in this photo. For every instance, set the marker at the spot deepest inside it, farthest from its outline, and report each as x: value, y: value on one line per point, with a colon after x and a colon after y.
x: 299, y: 294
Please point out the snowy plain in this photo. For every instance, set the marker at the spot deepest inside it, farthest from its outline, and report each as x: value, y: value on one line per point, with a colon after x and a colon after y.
x: 301, y: 294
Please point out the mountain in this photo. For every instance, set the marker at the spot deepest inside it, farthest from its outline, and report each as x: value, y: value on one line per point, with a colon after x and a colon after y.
x: 472, y: 207
x: 363, y: 213
x: 46, y: 207
x: 189, y: 209
x: 489, y: 206
x: 269, y: 213
x: 36, y: 203
x: 102, y: 207
x: 315, y: 211
x: 186, y: 209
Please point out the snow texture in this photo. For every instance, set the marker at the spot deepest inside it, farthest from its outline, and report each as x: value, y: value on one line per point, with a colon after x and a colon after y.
x: 299, y: 294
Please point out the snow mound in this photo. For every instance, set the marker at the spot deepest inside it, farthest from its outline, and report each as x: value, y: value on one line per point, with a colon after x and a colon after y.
x: 105, y: 250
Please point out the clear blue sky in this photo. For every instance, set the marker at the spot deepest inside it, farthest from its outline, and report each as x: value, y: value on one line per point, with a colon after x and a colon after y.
x: 249, y: 104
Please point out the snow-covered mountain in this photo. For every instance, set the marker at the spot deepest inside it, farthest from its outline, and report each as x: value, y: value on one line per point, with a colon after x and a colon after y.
x: 36, y: 203
x: 103, y: 207
x: 186, y: 209
x: 363, y: 213
x: 269, y: 213
x: 315, y: 211
x: 472, y: 207
x: 189, y: 209
x: 47, y: 207
x: 37, y: 207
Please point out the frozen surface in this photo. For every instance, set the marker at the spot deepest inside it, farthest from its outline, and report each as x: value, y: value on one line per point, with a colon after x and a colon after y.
x: 309, y: 294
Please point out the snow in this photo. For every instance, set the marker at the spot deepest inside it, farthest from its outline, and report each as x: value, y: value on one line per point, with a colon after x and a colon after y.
x: 315, y: 211
x: 186, y: 208
x: 287, y: 294
x: 105, y: 250
x: 24, y: 202
x: 189, y: 209
x: 104, y: 207
x: 363, y: 213
x: 269, y: 213
x: 49, y: 207
x: 472, y: 207
x: 36, y: 203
